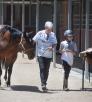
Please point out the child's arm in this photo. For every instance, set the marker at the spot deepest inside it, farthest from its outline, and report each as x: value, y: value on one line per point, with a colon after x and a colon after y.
x: 75, y: 51
x: 61, y: 48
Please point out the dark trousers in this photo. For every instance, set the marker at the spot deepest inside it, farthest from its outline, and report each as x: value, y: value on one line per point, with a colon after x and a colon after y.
x: 44, y: 65
x: 67, y: 69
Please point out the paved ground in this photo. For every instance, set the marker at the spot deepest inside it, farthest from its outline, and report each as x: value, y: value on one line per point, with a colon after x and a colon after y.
x: 26, y: 85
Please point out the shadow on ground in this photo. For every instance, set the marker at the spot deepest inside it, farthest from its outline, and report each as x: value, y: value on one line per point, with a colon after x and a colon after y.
x: 27, y: 88
x: 76, y: 90
x: 81, y: 90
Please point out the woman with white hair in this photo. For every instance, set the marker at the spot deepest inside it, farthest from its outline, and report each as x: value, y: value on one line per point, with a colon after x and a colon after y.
x: 46, y: 41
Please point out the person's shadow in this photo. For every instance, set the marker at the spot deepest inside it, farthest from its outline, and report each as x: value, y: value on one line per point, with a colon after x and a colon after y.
x: 27, y: 88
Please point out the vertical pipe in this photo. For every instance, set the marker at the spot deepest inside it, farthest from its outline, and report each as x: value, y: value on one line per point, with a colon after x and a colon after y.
x: 23, y: 15
x: 80, y: 24
x: 30, y: 13
x: 69, y: 14
x: 37, y: 16
x: 87, y: 35
x: 37, y: 21
x: 12, y: 13
x: 55, y: 22
x: 81, y: 27
x: 2, y: 13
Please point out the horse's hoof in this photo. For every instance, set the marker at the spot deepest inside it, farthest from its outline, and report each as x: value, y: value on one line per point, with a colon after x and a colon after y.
x: 8, y: 84
x: 8, y: 88
x: 4, y: 85
x: 0, y: 82
x: 1, y: 88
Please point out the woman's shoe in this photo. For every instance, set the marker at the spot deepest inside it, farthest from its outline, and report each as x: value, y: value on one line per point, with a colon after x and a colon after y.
x: 44, y: 88
x: 66, y: 89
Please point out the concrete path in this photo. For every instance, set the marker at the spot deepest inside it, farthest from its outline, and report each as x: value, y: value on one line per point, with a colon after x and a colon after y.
x: 26, y: 85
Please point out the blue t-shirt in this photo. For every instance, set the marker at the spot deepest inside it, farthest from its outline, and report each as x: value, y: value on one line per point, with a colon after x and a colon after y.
x: 43, y: 43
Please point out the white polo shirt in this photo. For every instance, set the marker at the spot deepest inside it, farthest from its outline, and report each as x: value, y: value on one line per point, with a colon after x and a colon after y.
x: 43, y: 43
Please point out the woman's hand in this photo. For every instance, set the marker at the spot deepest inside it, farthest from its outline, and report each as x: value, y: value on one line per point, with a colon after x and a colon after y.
x: 50, y: 48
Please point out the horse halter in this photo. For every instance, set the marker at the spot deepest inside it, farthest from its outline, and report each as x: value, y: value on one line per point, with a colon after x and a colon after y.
x: 21, y: 43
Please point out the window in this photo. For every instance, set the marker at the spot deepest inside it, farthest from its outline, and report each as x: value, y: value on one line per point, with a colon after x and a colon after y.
x: 79, y: 15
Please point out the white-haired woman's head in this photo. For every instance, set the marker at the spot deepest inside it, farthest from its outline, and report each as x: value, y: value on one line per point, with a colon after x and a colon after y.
x: 48, y: 26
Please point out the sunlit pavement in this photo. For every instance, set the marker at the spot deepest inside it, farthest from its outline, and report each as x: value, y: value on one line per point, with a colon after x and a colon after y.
x: 26, y: 85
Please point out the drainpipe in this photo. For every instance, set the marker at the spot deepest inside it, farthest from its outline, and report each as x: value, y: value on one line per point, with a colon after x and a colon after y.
x: 37, y: 16
x: 23, y: 16
x: 2, y: 20
x: 30, y: 13
x: 69, y: 14
x: 12, y: 13
x: 37, y: 21
x: 87, y: 36
x: 55, y: 22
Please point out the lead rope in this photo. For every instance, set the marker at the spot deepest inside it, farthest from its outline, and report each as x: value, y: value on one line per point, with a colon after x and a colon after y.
x: 22, y: 46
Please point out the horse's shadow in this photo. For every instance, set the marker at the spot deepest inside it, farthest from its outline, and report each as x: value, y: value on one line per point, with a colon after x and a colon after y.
x: 27, y: 88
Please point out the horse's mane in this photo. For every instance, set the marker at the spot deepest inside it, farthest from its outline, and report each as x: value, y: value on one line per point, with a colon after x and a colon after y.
x: 14, y: 32
x: 3, y: 28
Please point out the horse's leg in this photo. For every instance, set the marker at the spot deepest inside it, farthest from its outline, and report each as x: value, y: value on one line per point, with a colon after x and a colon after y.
x: 9, y: 75
x: 4, y: 73
x: 0, y: 73
x: 6, y: 69
x: 22, y: 54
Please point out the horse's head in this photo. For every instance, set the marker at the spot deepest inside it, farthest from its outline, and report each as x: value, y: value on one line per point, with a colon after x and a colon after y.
x: 13, y: 37
x: 27, y: 44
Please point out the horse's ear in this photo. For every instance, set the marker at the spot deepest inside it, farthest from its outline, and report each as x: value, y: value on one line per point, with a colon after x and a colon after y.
x: 30, y: 33
x: 27, y: 34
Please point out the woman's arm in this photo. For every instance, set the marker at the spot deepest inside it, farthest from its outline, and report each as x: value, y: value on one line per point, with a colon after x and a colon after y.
x: 36, y: 37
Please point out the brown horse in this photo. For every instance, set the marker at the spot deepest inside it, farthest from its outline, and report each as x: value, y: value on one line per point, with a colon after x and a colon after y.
x: 13, y: 41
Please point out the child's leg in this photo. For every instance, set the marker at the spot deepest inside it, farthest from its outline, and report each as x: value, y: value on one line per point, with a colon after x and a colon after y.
x: 67, y: 69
